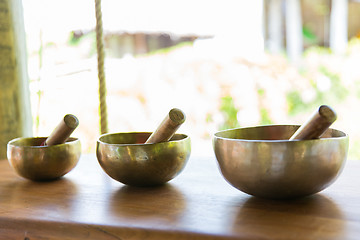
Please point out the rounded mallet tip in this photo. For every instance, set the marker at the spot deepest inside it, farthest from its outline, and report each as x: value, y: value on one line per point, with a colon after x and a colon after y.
x: 177, y: 116
x: 71, y: 121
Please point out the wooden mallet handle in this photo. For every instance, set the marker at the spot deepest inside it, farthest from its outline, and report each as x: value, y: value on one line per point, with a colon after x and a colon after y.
x: 316, y: 125
x: 63, y: 131
x: 168, y: 126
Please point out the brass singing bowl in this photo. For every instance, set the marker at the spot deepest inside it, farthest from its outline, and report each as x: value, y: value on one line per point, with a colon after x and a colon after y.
x: 125, y: 158
x: 42, y: 163
x: 261, y: 161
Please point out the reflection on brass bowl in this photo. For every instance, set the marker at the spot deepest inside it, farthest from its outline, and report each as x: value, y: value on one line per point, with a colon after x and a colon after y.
x: 145, y: 203
x: 301, y: 218
x: 41, y: 163
x: 125, y: 157
x: 261, y: 161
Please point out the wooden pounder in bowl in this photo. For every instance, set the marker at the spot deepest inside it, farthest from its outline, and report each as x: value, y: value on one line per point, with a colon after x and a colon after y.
x: 63, y: 131
x: 168, y: 126
x: 316, y: 125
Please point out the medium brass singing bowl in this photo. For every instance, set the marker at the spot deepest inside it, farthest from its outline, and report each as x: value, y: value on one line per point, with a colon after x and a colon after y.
x: 42, y: 163
x: 261, y: 161
x: 125, y: 158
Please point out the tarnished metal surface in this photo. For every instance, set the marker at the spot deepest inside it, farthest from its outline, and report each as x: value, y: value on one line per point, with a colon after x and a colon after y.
x: 41, y: 163
x: 261, y: 161
x: 125, y: 157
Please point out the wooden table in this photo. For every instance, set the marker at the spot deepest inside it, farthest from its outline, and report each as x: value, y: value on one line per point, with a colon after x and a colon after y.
x: 197, y: 204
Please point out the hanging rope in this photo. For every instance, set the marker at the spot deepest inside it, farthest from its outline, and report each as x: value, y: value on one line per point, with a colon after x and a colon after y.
x: 101, y: 72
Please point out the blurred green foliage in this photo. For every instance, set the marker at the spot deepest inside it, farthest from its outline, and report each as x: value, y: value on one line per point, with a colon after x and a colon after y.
x: 326, y: 85
x: 76, y: 40
x: 323, y: 79
x: 309, y: 36
x: 295, y: 103
x: 229, y: 112
x: 169, y: 49
x: 265, y: 117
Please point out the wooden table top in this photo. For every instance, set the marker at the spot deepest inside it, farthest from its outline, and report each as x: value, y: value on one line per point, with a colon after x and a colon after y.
x: 197, y: 204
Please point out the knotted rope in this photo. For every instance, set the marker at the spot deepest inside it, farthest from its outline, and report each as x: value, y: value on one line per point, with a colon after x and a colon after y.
x: 100, y: 63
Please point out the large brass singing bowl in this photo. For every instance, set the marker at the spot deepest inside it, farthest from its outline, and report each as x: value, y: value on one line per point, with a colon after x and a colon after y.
x: 125, y: 158
x: 261, y: 161
x: 41, y: 163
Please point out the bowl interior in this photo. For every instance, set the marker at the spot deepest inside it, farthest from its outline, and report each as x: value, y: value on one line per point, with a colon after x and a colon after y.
x: 271, y: 133
x: 133, y: 138
x: 34, y: 142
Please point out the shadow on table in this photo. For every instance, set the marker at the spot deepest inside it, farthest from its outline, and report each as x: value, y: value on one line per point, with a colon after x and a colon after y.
x: 165, y: 202
x: 312, y: 217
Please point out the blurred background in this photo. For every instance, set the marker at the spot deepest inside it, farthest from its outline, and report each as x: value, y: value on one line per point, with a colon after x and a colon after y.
x: 226, y: 64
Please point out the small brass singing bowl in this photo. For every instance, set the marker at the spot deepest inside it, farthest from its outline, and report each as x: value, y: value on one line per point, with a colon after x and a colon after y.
x: 125, y: 158
x: 42, y: 163
x: 261, y: 161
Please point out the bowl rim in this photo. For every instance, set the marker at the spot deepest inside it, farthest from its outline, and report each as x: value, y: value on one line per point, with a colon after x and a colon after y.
x: 217, y: 137
x: 12, y: 143
x: 99, y: 141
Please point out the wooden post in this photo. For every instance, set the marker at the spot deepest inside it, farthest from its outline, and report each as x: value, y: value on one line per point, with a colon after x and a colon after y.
x: 140, y: 43
x: 15, y: 113
x: 294, y: 41
x: 275, y: 26
x: 338, y: 26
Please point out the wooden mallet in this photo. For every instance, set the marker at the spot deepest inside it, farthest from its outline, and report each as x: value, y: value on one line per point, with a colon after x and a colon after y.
x: 63, y: 131
x: 316, y: 125
x: 168, y: 126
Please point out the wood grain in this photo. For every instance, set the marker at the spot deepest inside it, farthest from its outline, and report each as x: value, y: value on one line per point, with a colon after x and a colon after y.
x: 198, y: 204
